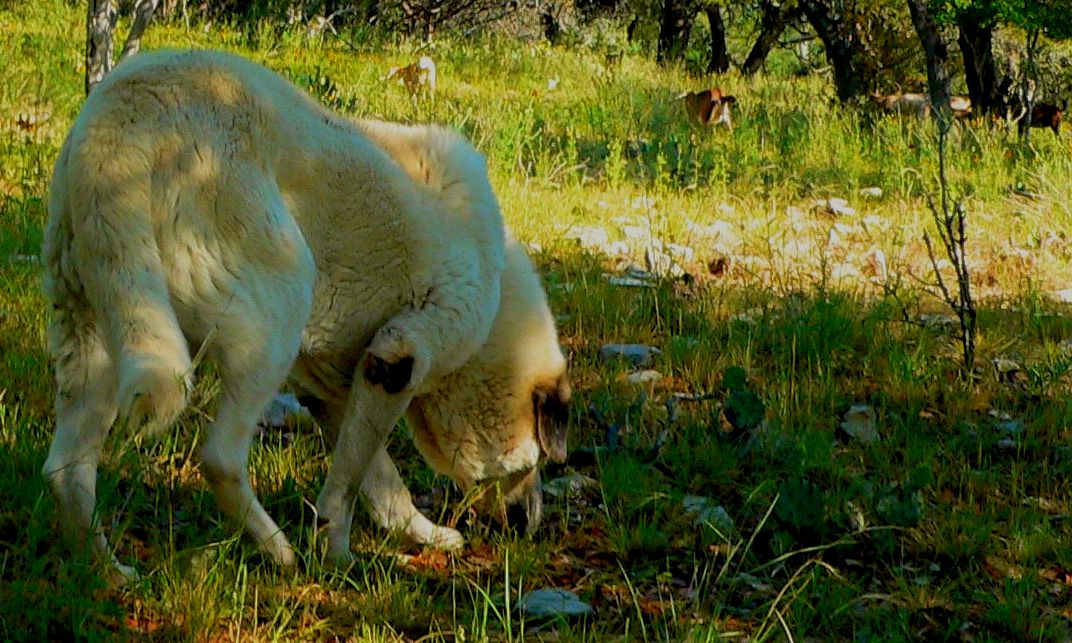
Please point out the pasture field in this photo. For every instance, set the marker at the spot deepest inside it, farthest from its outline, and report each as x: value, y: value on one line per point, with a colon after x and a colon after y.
x: 726, y: 497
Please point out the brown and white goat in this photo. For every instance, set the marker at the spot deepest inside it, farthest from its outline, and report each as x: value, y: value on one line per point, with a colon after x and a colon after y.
x: 899, y: 103
x: 709, y: 107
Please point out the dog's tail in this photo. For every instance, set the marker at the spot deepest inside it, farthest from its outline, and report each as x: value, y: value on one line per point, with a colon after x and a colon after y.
x: 105, y: 277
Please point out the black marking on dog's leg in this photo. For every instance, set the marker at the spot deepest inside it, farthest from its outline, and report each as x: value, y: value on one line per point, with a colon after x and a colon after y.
x: 392, y: 377
x: 314, y: 405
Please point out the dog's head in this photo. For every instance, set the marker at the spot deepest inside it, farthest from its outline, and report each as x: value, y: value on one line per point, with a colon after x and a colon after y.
x: 497, y: 417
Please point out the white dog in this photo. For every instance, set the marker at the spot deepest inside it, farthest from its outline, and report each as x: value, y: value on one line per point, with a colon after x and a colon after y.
x: 200, y: 201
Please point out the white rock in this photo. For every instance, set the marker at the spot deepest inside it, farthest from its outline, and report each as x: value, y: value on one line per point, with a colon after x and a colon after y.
x: 628, y: 282
x: 797, y: 247
x: 844, y: 271
x: 551, y: 601
x: 680, y: 252
x: 1005, y: 368
x: 641, y: 378
x: 643, y: 203
x: 859, y: 423
x: 875, y: 265
x: 282, y: 407
x: 661, y: 263
x: 793, y: 212
x: 937, y: 320
x: 617, y: 249
x: 871, y: 192
x: 722, y: 230
x: 572, y: 483
x: 835, y: 206
x: 845, y: 229
x: 748, y: 316
x: 834, y: 238
x: 630, y: 269
x: 706, y: 510
x: 638, y: 355
x: 590, y: 237
x: 30, y: 260
x: 1063, y: 296
x: 634, y: 232
x: 875, y: 221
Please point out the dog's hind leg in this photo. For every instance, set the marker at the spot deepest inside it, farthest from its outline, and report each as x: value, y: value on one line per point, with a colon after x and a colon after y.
x: 254, y: 358
x: 86, y: 407
x: 255, y: 340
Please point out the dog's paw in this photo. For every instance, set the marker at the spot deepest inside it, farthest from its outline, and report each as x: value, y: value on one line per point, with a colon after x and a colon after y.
x: 446, y: 538
x: 426, y: 532
x: 341, y: 560
x: 334, y: 551
x: 279, y: 549
x: 122, y: 575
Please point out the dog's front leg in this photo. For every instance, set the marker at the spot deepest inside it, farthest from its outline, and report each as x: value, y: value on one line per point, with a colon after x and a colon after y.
x: 391, y: 506
x: 379, y: 395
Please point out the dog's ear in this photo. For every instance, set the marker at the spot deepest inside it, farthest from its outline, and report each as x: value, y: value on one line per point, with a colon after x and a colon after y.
x: 551, y: 408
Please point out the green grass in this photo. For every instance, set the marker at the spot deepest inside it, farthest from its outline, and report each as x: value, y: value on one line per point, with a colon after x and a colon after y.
x: 947, y: 528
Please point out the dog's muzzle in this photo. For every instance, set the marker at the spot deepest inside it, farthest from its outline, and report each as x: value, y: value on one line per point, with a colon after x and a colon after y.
x: 524, y: 515
x: 517, y: 502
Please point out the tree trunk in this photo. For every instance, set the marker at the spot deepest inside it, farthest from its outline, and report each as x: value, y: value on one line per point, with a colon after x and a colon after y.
x: 934, y: 48
x: 841, y: 46
x: 776, y: 18
x: 100, y: 22
x: 1028, y: 84
x: 720, y: 59
x: 100, y: 25
x: 143, y: 14
x: 980, y: 71
x: 675, y: 24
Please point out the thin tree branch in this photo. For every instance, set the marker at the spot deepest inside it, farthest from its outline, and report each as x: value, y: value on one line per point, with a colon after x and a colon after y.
x: 143, y: 15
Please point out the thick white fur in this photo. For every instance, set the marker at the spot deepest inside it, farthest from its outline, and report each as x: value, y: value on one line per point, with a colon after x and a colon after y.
x: 201, y: 200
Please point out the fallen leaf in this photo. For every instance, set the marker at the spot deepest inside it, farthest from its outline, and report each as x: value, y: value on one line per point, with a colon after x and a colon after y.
x: 652, y: 606
x: 429, y: 560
